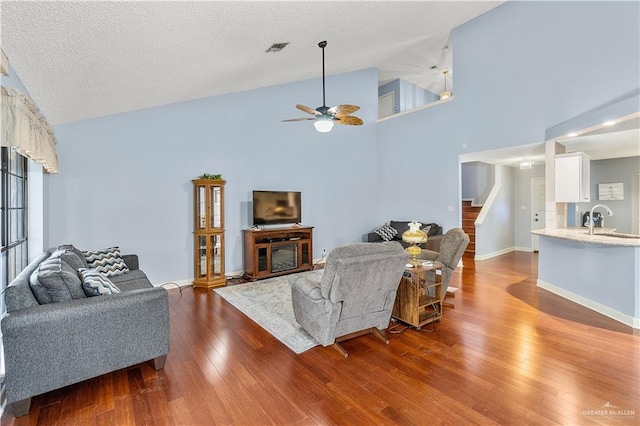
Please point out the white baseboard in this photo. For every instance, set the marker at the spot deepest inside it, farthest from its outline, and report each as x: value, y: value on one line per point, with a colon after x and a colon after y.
x: 494, y: 254
x: 181, y: 283
x: 588, y: 303
x: 189, y: 281
x: 527, y: 249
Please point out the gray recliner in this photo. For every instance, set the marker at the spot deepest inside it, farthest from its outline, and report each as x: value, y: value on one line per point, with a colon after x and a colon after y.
x: 355, y: 294
x: 452, y: 247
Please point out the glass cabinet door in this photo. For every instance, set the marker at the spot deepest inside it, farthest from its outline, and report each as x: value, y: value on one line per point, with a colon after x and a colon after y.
x: 201, y: 249
x: 216, y: 206
x: 201, y: 207
x: 217, y: 258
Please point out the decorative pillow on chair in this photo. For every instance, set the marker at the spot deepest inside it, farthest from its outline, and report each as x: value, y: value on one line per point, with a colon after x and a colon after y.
x: 107, y: 261
x: 96, y: 284
x: 386, y: 232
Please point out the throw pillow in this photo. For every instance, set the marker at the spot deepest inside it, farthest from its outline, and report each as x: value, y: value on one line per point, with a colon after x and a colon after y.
x: 386, y: 232
x: 96, y: 284
x: 433, y: 229
x: 70, y: 257
x: 55, y: 281
x: 70, y: 247
x: 107, y: 261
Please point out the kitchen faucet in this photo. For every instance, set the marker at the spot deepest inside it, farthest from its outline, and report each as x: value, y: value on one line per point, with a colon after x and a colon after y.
x: 609, y: 213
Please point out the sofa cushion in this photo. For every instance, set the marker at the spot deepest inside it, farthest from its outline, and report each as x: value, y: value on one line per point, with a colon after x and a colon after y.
x: 95, y: 283
x: 70, y: 257
x: 133, y: 280
x: 55, y: 281
x: 386, y: 232
x: 107, y: 261
x: 70, y: 247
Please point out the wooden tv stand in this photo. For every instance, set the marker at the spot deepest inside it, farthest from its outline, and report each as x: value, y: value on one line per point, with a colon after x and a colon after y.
x: 279, y: 251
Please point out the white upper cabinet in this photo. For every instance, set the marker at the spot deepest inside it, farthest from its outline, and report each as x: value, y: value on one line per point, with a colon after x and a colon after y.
x: 573, y: 178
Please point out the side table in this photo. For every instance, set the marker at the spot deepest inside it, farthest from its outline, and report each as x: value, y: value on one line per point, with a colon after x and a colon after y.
x: 419, y: 302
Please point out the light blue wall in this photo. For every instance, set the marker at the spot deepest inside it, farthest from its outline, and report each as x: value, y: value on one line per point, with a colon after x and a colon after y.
x: 496, y: 234
x: 610, y: 171
x: 477, y: 180
x: 412, y: 96
x: 391, y: 87
x: 13, y: 81
x: 585, y: 271
x: 406, y: 95
x: 125, y: 179
x: 520, y: 69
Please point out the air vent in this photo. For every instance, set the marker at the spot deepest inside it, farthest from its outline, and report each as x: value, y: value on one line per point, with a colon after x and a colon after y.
x: 276, y: 47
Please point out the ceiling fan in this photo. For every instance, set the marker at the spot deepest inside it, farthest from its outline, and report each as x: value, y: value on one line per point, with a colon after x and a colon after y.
x: 324, y: 116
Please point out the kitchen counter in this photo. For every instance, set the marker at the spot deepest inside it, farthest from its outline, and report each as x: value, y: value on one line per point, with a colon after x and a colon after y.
x: 605, y: 236
x: 600, y: 271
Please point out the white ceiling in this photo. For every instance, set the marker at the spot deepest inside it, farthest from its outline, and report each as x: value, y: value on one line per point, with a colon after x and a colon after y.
x: 88, y: 59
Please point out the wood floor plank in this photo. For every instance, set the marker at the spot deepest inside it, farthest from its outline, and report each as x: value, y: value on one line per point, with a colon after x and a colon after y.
x: 508, y: 353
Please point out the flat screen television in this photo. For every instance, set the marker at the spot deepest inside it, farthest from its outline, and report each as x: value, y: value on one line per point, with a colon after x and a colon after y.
x: 276, y: 207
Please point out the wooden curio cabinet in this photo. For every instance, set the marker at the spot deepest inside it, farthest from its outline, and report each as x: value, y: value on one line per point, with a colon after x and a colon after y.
x: 208, y: 234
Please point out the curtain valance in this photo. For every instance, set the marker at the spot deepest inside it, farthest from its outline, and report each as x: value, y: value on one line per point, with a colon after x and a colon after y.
x: 26, y: 130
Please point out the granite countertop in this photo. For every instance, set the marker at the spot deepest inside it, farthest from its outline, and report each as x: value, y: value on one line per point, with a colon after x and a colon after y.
x: 600, y: 236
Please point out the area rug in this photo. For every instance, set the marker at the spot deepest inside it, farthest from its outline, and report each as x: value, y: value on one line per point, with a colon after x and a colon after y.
x: 268, y: 303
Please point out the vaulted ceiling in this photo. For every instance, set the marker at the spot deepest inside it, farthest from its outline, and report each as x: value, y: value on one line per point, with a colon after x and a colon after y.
x: 82, y: 60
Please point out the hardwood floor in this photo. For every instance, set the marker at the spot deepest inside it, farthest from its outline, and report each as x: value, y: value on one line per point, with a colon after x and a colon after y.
x: 508, y: 353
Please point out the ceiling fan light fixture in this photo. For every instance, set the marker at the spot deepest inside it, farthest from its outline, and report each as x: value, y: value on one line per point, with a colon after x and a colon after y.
x: 324, y: 117
x: 323, y: 125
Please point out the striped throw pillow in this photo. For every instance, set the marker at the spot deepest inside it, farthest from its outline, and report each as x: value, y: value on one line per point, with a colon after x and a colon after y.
x: 386, y: 232
x: 96, y: 284
x: 107, y: 261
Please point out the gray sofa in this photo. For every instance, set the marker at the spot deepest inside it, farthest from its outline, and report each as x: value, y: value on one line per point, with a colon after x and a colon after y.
x: 434, y: 236
x: 49, y: 346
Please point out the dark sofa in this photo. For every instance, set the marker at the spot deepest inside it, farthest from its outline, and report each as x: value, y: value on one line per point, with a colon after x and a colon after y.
x: 52, y: 345
x: 434, y: 236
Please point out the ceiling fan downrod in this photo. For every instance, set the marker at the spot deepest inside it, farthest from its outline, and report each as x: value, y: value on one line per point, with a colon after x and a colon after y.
x: 322, y: 45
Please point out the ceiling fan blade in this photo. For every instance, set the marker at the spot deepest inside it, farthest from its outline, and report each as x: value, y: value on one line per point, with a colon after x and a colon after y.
x: 343, y: 109
x: 308, y: 110
x: 349, y: 120
x: 300, y: 119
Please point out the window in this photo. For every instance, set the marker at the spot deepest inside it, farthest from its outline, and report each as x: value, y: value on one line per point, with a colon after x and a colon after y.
x: 13, y: 215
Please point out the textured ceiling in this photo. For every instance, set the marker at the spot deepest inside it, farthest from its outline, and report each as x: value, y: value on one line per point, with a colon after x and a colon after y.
x: 88, y: 59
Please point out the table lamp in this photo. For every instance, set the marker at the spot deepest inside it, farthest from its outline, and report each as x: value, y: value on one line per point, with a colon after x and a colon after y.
x: 414, y: 236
